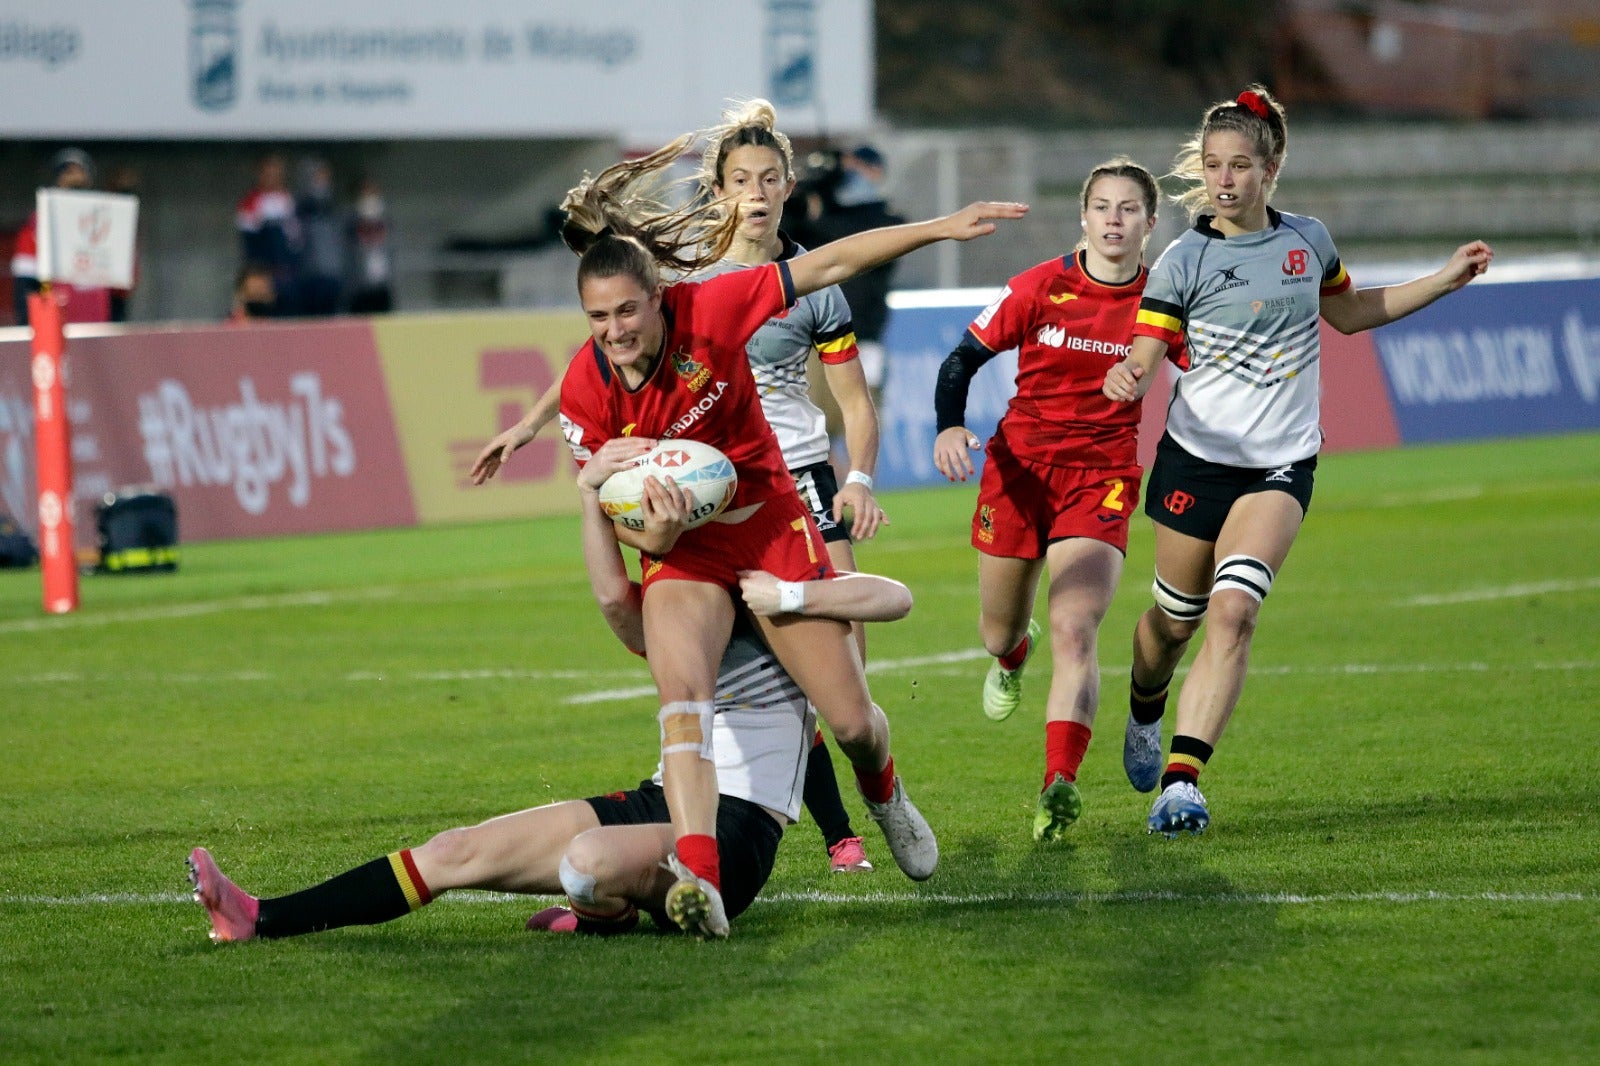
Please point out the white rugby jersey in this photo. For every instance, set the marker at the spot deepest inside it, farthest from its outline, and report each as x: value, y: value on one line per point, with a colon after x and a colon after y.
x: 1249, y: 308
x: 763, y: 728
x: 778, y: 355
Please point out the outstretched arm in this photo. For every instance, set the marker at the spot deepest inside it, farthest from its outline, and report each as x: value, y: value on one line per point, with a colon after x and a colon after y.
x: 848, y: 597
x: 1355, y: 310
x: 498, y: 452
x: 843, y: 259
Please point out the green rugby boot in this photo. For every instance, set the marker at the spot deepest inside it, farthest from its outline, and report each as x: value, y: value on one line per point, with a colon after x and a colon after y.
x: 1002, y: 689
x: 1059, y: 806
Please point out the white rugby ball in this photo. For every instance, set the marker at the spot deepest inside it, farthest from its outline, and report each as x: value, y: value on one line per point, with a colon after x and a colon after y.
x: 706, y: 476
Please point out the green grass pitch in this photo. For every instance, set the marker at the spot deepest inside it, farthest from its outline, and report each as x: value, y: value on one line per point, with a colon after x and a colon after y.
x: 1402, y: 867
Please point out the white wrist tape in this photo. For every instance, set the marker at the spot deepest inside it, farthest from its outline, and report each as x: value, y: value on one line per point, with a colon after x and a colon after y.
x: 791, y: 597
x: 856, y: 477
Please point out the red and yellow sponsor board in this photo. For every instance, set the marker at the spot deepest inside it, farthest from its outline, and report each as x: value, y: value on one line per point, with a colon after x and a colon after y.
x: 454, y: 382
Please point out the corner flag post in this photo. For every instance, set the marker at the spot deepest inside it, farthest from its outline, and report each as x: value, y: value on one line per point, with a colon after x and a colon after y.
x: 85, y: 239
x: 52, y: 436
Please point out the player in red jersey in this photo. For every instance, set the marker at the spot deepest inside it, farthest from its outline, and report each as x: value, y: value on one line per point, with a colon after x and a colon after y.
x: 668, y: 361
x: 1062, y: 475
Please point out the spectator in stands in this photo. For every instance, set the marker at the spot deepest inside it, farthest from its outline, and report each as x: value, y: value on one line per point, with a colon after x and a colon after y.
x: 269, y: 232
x: 849, y: 201
x: 71, y: 168
x: 369, y: 258
x: 320, y: 285
x: 255, y: 295
x: 124, y: 178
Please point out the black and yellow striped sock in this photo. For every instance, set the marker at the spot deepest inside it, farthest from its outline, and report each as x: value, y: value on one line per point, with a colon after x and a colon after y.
x: 1188, y: 758
x: 1147, y: 705
x: 379, y: 891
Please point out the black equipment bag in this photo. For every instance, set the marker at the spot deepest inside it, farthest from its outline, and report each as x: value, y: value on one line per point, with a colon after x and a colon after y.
x: 16, y: 547
x: 138, y: 531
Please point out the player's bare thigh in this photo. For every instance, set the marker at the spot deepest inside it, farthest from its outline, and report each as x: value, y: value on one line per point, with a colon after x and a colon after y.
x: 1083, y: 579
x: 817, y: 653
x: 519, y: 852
x: 686, y: 630
x: 1185, y: 563
x: 1262, y: 525
x: 1006, y: 591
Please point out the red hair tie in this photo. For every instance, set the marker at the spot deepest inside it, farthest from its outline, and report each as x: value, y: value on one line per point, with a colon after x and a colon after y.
x: 1251, y: 101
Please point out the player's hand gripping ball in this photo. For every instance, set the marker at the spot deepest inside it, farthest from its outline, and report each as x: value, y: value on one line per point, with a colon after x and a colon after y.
x: 704, y: 474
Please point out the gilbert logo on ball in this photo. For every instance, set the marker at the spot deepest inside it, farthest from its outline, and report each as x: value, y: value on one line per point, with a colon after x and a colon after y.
x: 704, y: 474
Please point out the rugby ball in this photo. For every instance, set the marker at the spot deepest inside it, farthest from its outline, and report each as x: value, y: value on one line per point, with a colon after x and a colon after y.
x: 706, y: 476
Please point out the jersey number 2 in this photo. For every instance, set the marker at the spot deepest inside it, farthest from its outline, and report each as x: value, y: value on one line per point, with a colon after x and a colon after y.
x: 1113, y: 500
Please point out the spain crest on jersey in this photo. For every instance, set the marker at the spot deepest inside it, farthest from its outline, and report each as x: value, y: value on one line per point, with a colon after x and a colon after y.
x: 694, y: 373
x: 986, y: 523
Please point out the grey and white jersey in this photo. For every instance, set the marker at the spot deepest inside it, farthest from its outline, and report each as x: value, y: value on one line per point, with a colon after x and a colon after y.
x: 1249, y: 308
x: 763, y: 727
x: 778, y: 354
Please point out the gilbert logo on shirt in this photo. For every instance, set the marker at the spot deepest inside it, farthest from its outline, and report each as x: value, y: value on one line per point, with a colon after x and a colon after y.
x: 1228, y: 278
x: 693, y: 373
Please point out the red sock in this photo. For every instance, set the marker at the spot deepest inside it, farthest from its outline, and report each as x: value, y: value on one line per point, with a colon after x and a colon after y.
x: 1014, y: 658
x: 699, y: 853
x: 878, y: 787
x: 1064, y: 745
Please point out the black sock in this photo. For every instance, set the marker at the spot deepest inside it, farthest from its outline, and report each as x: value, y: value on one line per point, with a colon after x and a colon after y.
x: 1147, y: 704
x: 1189, y: 756
x: 378, y: 891
x: 822, y: 795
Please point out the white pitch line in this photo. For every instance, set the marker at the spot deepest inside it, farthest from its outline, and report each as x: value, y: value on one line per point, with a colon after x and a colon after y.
x: 946, y: 899
x: 56, y: 677
x: 195, y: 610
x: 69, y: 677
x: 273, y: 602
x: 1221, y: 898
x: 1504, y: 592
x: 877, y: 666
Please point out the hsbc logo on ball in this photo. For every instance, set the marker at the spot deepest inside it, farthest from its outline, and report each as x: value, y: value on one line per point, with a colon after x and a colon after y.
x: 670, y: 459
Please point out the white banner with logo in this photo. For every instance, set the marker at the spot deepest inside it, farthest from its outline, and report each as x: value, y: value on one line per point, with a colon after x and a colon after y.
x: 421, y: 68
x: 87, y: 238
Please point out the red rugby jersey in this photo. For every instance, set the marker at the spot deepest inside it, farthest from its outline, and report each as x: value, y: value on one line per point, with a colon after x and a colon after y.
x: 1069, y: 329
x: 701, y: 390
